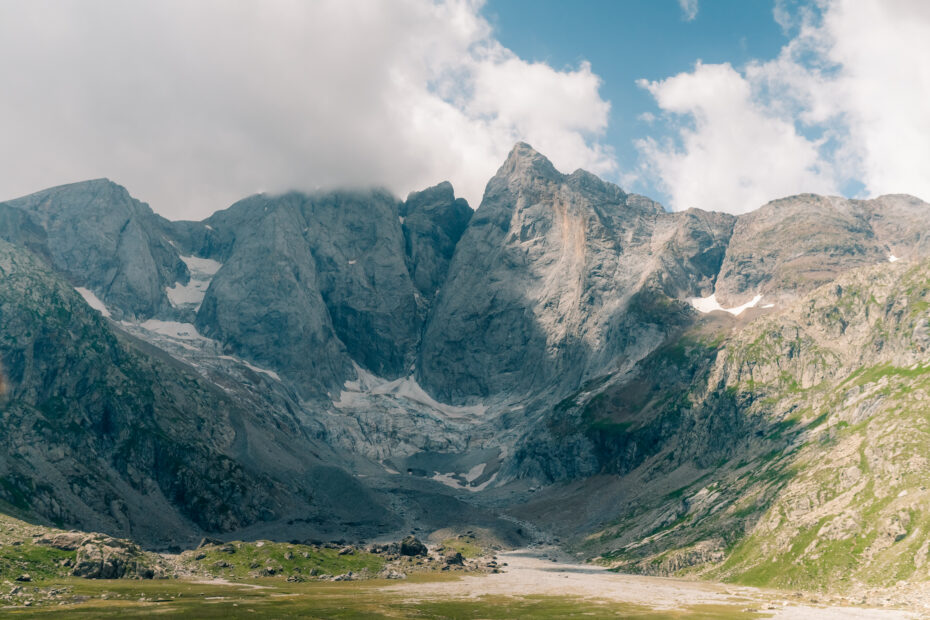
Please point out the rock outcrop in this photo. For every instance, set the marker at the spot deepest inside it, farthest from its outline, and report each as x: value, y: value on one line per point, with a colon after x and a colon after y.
x: 106, y: 241
x: 433, y: 221
x: 556, y: 279
x: 790, y: 246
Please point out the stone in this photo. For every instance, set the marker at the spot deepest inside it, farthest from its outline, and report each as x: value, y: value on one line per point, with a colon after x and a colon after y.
x: 102, y: 557
x: 454, y: 559
x: 207, y: 541
x: 66, y: 541
x: 410, y: 546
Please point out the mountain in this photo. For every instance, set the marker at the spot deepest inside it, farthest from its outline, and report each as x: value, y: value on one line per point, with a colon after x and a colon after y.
x: 789, y: 453
x: 102, y: 431
x: 552, y: 282
x: 104, y: 240
x: 793, y: 245
x: 671, y: 393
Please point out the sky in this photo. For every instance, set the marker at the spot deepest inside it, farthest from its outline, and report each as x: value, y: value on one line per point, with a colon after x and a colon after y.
x: 715, y: 104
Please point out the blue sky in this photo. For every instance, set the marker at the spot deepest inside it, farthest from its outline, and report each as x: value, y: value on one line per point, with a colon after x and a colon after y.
x: 193, y: 105
x: 628, y: 40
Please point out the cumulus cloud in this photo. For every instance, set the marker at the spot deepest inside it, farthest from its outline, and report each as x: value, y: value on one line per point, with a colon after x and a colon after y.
x: 193, y: 105
x: 689, y: 9
x: 843, y: 105
x: 736, y: 156
x: 881, y: 90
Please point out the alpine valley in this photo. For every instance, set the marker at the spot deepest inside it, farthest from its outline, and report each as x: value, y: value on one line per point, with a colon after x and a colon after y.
x: 737, y: 398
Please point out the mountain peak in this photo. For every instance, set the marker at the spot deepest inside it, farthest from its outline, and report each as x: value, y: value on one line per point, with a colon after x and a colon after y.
x: 525, y: 161
x: 441, y: 192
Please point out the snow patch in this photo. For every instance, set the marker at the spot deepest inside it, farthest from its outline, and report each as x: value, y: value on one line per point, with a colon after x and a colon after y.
x: 253, y: 367
x: 205, y: 266
x: 357, y: 393
x: 475, y: 472
x: 186, y: 336
x: 767, y: 306
x: 710, y: 304
x: 450, y: 480
x: 191, y: 295
x: 172, y: 329
x: 892, y: 258
x: 93, y: 301
x: 409, y: 388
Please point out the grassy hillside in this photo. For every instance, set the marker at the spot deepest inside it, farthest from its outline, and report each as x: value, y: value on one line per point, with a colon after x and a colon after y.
x: 815, y: 474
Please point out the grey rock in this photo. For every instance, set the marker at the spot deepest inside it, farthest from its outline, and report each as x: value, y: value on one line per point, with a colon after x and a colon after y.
x: 539, y: 290
x: 18, y: 227
x: 322, y: 274
x: 411, y: 546
x: 102, y: 557
x: 454, y: 559
x: 66, y: 541
x: 107, y: 241
x: 791, y: 246
x: 265, y: 303
x: 433, y: 222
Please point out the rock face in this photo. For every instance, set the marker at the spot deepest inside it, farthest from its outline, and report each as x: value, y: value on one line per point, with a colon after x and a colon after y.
x: 109, y: 435
x: 265, y: 304
x: 790, y: 246
x: 16, y: 226
x: 106, y: 241
x: 433, y: 222
x: 547, y: 281
x: 325, y: 273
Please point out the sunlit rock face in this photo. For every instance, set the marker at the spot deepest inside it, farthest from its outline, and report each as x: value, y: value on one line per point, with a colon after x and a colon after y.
x: 539, y: 292
x: 792, y: 245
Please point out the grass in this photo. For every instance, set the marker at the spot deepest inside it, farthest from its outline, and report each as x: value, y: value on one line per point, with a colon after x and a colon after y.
x: 345, y: 600
x: 464, y: 544
x: 35, y: 560
x: 240, y: 560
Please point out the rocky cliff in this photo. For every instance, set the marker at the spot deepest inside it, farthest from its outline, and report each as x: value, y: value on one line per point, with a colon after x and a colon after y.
x: 104, y: 240
x: 553, y: 283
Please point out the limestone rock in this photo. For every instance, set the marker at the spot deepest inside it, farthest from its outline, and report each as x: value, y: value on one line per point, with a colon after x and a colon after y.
x: 108, y: 242
x: 542, y: 291
x: 411, y: 546
x: 433, y: 222
x: 102, y: 557
x: 792, y: 245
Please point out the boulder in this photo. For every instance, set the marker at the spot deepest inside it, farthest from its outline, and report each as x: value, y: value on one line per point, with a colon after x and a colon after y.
x: 102, y: 557
x: 411, y: 546
x: 66, y: 541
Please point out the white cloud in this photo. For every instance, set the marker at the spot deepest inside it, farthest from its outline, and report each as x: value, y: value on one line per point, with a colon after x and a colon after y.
x: 881, y: 91
x: 856, y: 76
x: 689, y: 8
x: 193, y: 105
x: 735, y: 156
